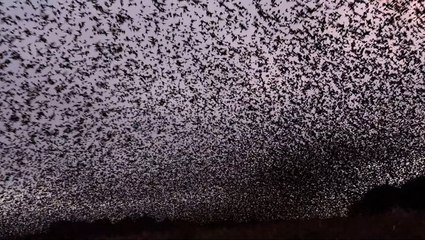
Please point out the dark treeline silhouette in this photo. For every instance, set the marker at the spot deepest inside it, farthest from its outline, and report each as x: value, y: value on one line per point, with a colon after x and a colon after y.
x: 410, y: 197
x: 144, y: 227
x: 101, y: 227
x: 375, y: 209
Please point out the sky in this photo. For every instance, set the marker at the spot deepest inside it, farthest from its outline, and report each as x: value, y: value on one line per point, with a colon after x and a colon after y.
x: 206, y: 110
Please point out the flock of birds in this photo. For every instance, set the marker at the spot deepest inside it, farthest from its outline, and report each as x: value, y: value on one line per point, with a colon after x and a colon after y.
x: 205, y: 110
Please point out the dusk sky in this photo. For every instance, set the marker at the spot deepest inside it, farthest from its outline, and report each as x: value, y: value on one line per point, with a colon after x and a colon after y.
x: 206, y: 110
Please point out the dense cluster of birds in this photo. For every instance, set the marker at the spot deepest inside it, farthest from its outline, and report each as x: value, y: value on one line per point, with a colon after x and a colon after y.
x: 205, y: 110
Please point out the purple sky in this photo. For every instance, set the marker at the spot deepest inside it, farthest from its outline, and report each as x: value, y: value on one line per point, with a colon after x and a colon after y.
x: 275, y: 109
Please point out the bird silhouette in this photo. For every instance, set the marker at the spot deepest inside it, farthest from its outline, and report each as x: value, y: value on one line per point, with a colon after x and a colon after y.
x: 110, y: 108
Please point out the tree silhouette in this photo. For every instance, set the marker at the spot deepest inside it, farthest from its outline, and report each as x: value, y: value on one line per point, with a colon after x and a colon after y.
x: 376, y: 201
x: 413, y: 194
x: 410, y: 197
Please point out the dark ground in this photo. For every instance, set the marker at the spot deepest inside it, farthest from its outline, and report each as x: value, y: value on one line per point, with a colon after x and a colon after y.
x: 384, y: 226
x: 384, y: 212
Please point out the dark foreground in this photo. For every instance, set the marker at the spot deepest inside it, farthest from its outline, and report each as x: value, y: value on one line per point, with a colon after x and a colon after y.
x: 386, y: 226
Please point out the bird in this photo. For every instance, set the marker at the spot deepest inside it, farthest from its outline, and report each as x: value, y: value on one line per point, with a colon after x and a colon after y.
x: 173, y: 104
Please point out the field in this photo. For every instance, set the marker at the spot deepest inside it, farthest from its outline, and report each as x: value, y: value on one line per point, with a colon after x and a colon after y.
x: 387, y: 226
